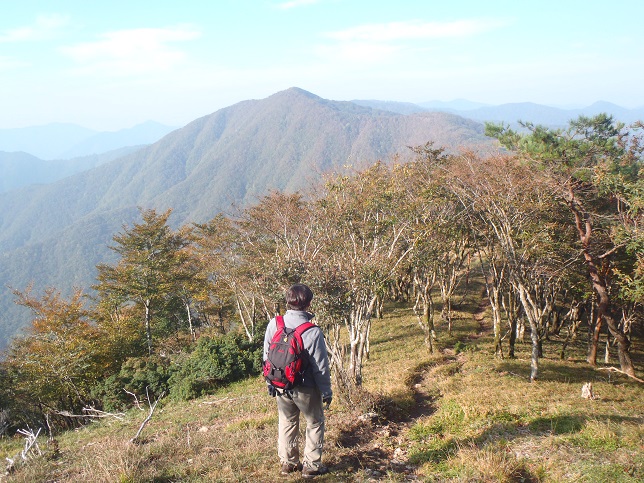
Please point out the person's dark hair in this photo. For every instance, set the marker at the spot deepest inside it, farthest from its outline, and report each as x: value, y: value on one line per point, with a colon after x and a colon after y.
x: 298, y: 297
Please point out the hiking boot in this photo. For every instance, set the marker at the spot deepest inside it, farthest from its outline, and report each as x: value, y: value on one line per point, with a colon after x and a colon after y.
x: 308, y: 472
x: 288, y: 468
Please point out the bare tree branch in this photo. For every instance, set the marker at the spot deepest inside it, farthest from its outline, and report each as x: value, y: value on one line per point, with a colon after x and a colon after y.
x: 136, y: 399
x: 135, y: 439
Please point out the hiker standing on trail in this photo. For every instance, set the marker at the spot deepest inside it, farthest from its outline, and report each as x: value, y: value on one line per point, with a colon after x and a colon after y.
x: 304, y: 392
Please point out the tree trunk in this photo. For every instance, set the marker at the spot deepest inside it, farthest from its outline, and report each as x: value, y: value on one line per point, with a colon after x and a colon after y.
x: 623, y: 343
x: 428, y: 325
x: 192, y: 329
x: 595, y: 330
x: 148, y: 328
x: 426, y: 318
x: 359, y: 329
x: 535, y: 319
x: 220, y: 319
x: 493, y: 296
x: 511, y: 307
x: 600, y: 286
x: 521, y: 329
x: 367, y: 345
x: 534, y: 360
x: 574, y: 320
x: 513, y: 337
x: 557, y: 322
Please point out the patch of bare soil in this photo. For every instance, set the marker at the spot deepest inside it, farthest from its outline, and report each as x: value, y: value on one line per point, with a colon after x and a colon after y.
x: 479, y: 315
x: 375, y: 442
x: 373, y: 446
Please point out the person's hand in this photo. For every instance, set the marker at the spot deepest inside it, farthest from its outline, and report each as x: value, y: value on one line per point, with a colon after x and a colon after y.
x: 272, y: 392
x: 326, y: 400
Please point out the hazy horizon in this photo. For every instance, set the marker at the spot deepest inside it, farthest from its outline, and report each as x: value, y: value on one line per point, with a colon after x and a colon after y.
x: 571, y: 107
x: 112, y: 66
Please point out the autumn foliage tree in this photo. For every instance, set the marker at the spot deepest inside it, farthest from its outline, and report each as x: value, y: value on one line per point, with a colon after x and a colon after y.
x: 52, y: 367
x: 363, y: 241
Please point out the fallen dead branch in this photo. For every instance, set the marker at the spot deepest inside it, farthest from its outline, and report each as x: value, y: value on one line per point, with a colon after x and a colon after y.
x: 97, y: 413
x: 614, y: 369
x: 30, y: 450
x: 227, y: 399
x: 91, y: 413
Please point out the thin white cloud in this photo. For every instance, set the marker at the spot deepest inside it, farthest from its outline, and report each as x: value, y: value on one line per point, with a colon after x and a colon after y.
x: 413, y: 30
x: 366, y: 44
x: 295, y: 3
x: 356, y: 52
x: 134, y: 51
x: 45, y: 27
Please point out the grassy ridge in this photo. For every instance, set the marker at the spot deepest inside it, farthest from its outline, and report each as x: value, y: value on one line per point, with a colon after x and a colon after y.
x: 456, y: 415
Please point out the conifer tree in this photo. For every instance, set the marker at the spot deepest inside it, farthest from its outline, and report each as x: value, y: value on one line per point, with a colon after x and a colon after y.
x: 596, y: 164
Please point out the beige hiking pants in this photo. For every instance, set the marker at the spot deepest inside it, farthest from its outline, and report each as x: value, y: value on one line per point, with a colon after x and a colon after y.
x: 308, y: 401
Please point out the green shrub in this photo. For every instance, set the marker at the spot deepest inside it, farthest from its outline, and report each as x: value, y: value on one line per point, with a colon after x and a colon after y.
x: 463, y: 347
x: 141, y: 376
x: 215, y: 362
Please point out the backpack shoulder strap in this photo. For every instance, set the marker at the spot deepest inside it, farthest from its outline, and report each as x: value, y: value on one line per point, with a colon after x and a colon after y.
x: 300, y: 329
x: 279, y: 321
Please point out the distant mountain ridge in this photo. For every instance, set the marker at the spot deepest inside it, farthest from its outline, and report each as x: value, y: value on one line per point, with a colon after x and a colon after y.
x: 65, y: 141
x: 44, y: 142
x: 21, y: 169
x: 511, y: 113
x: 55, y: 234
x: 146, y: 133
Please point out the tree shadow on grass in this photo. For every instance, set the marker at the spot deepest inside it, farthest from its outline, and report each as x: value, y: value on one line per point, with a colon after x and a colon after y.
x: 438, y: 448
x: 578, y: 374
x: 389, y: 339
x: 566, y: 424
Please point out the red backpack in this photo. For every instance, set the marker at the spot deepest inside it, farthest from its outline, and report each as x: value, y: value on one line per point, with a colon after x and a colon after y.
x: 285, y: 364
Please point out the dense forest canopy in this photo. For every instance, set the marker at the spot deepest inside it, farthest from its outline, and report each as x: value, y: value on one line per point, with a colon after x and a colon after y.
x: 554, y: 227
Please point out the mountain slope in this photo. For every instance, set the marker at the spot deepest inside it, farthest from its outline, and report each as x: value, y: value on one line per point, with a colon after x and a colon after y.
x: 421, y: 417
x: 55, y: 234
x: 392, y: 106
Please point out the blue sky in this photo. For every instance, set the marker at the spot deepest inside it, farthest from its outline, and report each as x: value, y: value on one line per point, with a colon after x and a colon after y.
x: 111, y: 65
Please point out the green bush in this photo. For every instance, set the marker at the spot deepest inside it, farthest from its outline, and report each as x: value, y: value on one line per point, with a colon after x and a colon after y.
x: 463, y: 347
x: 141, y: 376
x: 215, y: 362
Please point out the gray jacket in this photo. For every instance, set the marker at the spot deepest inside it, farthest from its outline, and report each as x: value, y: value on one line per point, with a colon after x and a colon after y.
x: 317, y: 372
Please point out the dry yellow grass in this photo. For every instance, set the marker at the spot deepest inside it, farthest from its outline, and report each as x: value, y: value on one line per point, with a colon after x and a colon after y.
x: 453, y: 416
